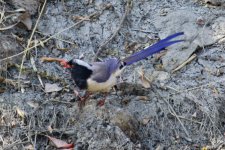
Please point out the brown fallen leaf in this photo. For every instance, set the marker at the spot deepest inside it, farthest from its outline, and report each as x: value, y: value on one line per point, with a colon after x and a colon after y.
x: 145, y: 82
x: 2, y: 79
x: 15, y: 17
x: 25, y: 18
x: 60, y: 143
x: 20, y: 39
x: 130, y: 46
x: 20, y: 112
x: 52, y: 88
x: 33, y: 104
x: 49, y: 128
x: 2, y: 90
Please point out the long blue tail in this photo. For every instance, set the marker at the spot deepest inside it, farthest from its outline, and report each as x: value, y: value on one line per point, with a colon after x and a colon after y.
x: 157, y: 47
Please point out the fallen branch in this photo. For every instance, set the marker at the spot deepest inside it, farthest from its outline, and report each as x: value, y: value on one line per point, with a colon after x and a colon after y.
x: 128, y: 7
x: 184, y: 63
x: 50, y: 59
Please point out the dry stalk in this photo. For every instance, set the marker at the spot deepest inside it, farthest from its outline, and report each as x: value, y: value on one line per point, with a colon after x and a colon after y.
x: 46, y: 40
x: 29, y: 41
x: 185, y: 63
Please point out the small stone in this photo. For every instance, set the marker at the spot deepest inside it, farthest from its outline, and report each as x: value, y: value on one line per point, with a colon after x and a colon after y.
x: 145, y: 121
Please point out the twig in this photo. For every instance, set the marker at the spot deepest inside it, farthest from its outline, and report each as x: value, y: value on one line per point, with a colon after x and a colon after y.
x: 145, y: 31
x: 184, y: 63
x: 50, y: 59
x: 29, y: 41
x: 181, y: 117
x: 63, y: 102
x: 45, y: 41
x: 197, y: 87
x: 128, y: 7
x: 175, y: 114
x: 69, y: 42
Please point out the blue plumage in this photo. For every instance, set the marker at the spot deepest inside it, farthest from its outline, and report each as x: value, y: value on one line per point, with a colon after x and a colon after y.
x: 152, y: 49
x: 101, y: 76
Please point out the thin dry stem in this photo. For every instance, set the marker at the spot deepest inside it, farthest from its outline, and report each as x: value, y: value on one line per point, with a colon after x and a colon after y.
x: 29, y: 41
x: 45, y: 41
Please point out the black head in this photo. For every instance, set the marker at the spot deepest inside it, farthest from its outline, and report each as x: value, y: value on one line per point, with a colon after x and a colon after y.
x: 80, y: 72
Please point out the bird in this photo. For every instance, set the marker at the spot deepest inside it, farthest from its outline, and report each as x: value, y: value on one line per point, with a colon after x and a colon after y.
x: 102, y: 76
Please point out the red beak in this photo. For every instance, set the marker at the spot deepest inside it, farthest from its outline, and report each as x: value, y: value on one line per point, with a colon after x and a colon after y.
x: 65, y: 64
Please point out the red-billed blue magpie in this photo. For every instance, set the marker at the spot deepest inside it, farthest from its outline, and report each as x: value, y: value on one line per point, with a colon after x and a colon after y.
x: 102, y: 76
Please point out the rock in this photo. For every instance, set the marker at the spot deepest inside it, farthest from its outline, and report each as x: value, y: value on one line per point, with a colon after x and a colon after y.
x: 196, y: 35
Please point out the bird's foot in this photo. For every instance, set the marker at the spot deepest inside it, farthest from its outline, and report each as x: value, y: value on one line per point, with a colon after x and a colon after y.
x: 101, y: 103
x: 82, y: 99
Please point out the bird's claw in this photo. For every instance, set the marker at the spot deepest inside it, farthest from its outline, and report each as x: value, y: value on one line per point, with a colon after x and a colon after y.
x: 101, y: 103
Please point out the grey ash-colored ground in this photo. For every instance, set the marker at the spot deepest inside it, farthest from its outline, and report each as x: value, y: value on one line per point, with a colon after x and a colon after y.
x: 173, y: 100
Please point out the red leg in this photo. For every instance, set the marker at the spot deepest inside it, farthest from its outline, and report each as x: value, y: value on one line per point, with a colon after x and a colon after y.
x: 102, y: 101
x: 83, y: 99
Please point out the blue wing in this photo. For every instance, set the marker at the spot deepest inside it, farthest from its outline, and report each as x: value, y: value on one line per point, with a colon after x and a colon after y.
x: 103, y: 70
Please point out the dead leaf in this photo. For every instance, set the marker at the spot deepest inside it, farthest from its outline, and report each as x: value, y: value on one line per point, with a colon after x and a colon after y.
x: 20, y: 112
x: 29, y: 147
x: 20, y: 39
x: 32, y: 104
x: 145, y: 82
x: 2, y: 79
x: 60, y: 143
x: 49, y: 128
x: 2, y: 90
x: 145, y: 121
x: 42, y: 44
x: 52, y: 88
x: 26, y: 20
x: 194, y: 115
x: 130, y: 46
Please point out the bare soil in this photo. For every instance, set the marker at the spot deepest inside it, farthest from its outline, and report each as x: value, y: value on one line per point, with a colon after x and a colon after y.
x: 181, y: 109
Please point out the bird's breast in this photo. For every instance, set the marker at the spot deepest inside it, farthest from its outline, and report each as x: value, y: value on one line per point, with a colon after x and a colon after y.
x: 94, y: 86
